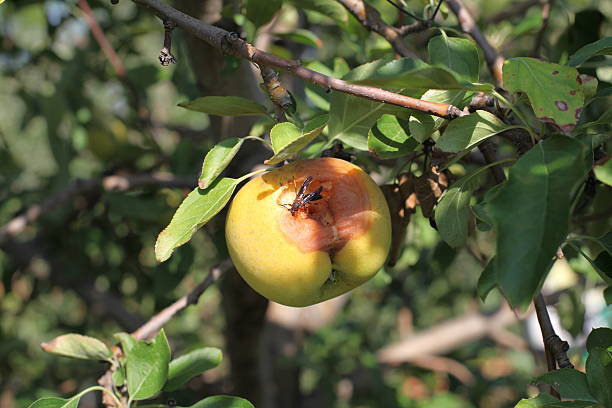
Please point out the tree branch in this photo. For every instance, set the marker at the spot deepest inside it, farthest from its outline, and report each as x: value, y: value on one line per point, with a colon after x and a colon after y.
x: 546, y: 7
x: 101, y: 39
x: 231, y: 44
x: 83, y: 186
x: 494, y: 60
x: 148, y: 330
x: 370, y: 18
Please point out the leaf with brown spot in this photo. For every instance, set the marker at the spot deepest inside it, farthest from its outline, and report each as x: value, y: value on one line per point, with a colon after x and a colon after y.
x: 554, y: 90
x: 78, y: 346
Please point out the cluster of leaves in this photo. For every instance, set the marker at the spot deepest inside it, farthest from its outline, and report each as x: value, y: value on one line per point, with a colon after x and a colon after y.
x: 140, y: 370
x: 577, y: 389
x: 541, y: 184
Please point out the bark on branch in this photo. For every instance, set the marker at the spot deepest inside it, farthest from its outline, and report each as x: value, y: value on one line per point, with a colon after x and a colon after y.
x: 231, y: 44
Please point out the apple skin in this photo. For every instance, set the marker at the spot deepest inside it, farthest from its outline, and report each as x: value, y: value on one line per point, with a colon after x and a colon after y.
x: 289, y: 258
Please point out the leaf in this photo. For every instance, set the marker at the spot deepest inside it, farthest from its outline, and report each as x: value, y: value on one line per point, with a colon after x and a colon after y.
x: 460, y: 55
x: 217, y: 159
x: 554, y: 90
x: 467, y: 131
x: 421, y: 126
x: 548, y: 401
x: 603, y: 171
x: 600, y: 47
x: 531, y: 214
x: 185, y: 367
x: 570, y: 383
x: 351, y: 117
x: 54, y: 402
x: 453, y: 209
x: 389, y: 138
x: 225, y: 106
x: 147, y: 367
x: 195, y: 211
x: 259, y: 12
x: 409, y: 73
x: 589, y: 86
x: 222, y: 401
x: 288, y: 140
x: 487, y: 281
x: 78, y: 346
x: 600, y: 337
x: 328, y: 8
x: 301, y: 36
x: 282, y: 134
x: 599, y: 375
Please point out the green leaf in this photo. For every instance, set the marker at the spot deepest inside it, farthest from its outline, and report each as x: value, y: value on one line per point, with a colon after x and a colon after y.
x: 351, y: 117
x: 589, y: 86
x: 78, y: 346
x: 460, y: 55
x: 288, y: 140
x: 217, y: 159
x: 147, y: 367
x: 225, y: 106
x: 389, y: 138
x: 259, y: 12
x: 119, y: 376
x: 54, y: 402
x: 487, y: 281
x: 600, y: 337
x: 608, y: 295
x: 603, y: 171
x: 222, y: 401
x: 195, y: 211
x: 409, y: 73
x: 570, y: 383
x: 185, y: 367
x: 301, y: 36
x: 453, y: 209
x: 421, y: 126
x: 600, y: 47
x: 467, y: 131
x: 328, y: 8
x: 554, y: 90
x: 548, y: 401
x: 599, y: 375
x: 531, y: 214
x: 282, y: 134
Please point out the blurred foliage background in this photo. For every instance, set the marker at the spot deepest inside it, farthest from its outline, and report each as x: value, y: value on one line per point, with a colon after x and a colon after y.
x: 88, y: 266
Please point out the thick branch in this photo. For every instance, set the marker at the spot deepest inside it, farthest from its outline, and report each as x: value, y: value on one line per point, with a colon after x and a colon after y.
x: 370, y: 18
x: 468, y: 25
x: 230, y: 43
x: 446, y: 337
x: 109, y: 183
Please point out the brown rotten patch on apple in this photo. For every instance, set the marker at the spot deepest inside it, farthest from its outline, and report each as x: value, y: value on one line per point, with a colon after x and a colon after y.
x: 333, y: 219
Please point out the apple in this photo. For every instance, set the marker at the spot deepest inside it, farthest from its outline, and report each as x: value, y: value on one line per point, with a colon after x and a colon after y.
x: 319, y: 250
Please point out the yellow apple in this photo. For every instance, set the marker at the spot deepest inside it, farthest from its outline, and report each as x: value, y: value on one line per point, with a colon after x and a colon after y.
x: 319, y: 250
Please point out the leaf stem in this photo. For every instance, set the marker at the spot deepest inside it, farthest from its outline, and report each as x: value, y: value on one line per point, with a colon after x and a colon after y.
x: 246, y: 176
x: 260, y: 139
x: 518, y: 113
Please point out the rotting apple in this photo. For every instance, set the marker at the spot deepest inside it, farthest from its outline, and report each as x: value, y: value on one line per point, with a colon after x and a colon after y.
x: 326, y: 247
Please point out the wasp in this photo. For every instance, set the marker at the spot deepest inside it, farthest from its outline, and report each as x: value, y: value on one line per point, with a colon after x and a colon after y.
x: 302, y: 199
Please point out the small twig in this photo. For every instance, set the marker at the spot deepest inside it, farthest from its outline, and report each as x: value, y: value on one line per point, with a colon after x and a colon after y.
x: 494, y: 60
x: 406, y: 12
x: 148, y: 330
x: 420, y: 25
x: 109, y: 183
x: 165, y: 54
x: 546, y: 7
x: 556, y: 348
x: 278, y: 94
x: 370, y: 18
x: 101, y: 39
